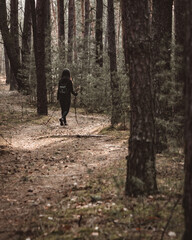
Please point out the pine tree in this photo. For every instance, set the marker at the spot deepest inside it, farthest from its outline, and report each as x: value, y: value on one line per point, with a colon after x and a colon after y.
x: 26, y: 45
x: 61, y: 30
x: 141, y: 174
x: 9, y: 44
x: 99, y: 32
x: 116, y: 110
x: 70, y: 31
x: 38, y: 20
x: 14, y: 30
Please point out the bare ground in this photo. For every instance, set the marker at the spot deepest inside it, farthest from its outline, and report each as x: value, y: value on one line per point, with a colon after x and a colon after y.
x: 63, y: 183
x: 41, y: 161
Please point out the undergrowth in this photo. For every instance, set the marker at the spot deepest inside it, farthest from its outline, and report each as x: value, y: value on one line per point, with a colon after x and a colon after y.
x: 98, y: 209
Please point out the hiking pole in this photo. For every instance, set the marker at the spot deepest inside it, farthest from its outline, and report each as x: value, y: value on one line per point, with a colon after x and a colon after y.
x: 75, y: 107
x: 75, y: 101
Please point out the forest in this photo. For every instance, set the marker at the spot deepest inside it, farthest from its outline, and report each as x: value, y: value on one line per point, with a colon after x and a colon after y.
x: 95, y: 119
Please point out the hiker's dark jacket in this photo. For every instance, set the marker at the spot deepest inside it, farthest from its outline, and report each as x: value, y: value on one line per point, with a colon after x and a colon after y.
x: 65, y: 88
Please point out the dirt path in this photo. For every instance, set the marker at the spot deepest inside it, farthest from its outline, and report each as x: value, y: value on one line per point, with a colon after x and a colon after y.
x: 41, y: 162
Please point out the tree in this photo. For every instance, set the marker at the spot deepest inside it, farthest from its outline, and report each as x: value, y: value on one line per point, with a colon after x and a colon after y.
x: 10, y: 45
x: 86, y: 31
x: 26, y: 44
x: 83, y: 16
x: 141, y: 174
x: 187, y: 201
x: 125, y: 33
x: 180, y: 34
x: 162, y: 31
x: 7, y: 67
x: 116, y: 111
x: 71, y: 12
x: 61, y: 29
x: 99, y: 32
x: 38, y: 21
x: 48, y: 55
x: 14, y: 30
x: 74, y: 33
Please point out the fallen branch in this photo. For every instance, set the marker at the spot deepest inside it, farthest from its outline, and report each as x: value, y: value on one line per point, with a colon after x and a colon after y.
x: 73, y: 136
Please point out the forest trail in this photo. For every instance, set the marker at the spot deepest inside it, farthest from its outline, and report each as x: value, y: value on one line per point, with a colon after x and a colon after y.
x: 41, y: 161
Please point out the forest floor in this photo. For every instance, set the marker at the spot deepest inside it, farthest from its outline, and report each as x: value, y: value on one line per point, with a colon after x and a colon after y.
x: 67, y: 182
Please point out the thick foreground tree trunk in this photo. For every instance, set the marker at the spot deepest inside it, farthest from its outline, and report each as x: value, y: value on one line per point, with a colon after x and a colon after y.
x: 187, y: 203
x: 141, y: 174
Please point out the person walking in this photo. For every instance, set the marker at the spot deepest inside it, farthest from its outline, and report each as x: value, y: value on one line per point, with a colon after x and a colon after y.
x: 65, y: 88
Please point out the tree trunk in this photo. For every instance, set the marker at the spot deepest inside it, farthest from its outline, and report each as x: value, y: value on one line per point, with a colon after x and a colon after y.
x: 26, y: 45
x: 70, y: 31
x: 61, y: 29
x: 116, y: 112
x: 48, y: 58
x: 141, y: 174
x: 187, y: 202
x: 38, y: 20
x: 83, y: 17
x: 7, y: 67
x: 14, y: 30
x: 86, y: 34
x: 125, y: 32
x: 162, y: 31
x: 75, y: 33
x: 10, y: 45
x: 99, y: 32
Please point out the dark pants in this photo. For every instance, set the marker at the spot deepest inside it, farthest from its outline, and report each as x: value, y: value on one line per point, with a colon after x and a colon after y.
x: 65, y: 106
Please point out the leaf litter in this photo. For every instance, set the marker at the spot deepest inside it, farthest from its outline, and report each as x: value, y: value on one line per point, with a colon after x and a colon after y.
x: 73, y: 187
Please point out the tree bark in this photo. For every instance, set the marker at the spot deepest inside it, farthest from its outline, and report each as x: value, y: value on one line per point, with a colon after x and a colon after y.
x: 61, y: 29
x: 9, y: 44
x: 86, y: 33
x: 116, y: 111
x: 83, y: 17
x: 14, y: 30
x: 38, y: 21
x: 70, y: 31
x: 99, y: 32
x: 125, y: 31
x: 187, y: 201
x: 7, y: 67
x: 141, y: 174
x: 75, y: 32
x: 26, y: 44
x: 48, y: 58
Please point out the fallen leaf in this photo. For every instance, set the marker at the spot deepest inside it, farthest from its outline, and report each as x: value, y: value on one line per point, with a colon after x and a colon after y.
x: 95, y: 234
x: 171, y: 234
